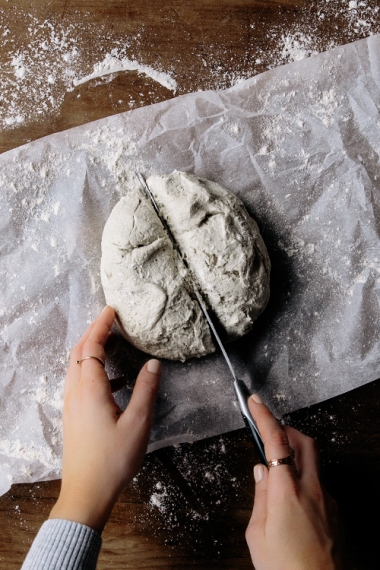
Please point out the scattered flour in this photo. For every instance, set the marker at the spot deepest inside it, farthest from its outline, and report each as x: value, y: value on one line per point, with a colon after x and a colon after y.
x: 297, y: 46
x: 52, y: 57
x: 308, y: 35
x: 52, y: 60
x: 191, y: 488
x: 159, y: 498
x: 113, y: 63
x: 17, y: 449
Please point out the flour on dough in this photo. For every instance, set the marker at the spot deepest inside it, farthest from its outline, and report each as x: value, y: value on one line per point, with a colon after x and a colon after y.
x: 146, y: 283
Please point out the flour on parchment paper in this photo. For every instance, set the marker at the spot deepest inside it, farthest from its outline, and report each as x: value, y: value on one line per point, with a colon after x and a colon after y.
x: 45, y: 209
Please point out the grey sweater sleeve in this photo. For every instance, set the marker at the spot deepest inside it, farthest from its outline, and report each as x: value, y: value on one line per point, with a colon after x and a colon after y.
x: 63, y: 545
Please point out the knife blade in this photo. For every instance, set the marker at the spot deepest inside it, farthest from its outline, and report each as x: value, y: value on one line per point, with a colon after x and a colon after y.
x: 241, y: 390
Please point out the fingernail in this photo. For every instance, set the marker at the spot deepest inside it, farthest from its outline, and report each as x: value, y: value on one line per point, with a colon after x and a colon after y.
x: 258, y: 472
x: 154, y: 366
x: 256, y: 398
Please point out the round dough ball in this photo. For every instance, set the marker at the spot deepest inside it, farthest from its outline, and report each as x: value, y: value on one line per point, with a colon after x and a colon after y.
x: 149, y: 288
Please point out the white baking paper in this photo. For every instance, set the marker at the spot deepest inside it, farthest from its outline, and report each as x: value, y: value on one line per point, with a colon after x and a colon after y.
x: 300, y: 146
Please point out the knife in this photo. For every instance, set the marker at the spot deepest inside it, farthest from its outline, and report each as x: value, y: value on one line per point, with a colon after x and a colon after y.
x: 241, y: 390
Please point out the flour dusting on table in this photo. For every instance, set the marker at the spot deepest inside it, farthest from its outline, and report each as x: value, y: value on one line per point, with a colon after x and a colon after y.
x: 115, y: 62
x: 53, y: 57
x: 53, y: 60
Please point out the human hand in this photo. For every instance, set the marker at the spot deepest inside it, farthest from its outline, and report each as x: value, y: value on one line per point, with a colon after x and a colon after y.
x: 294, y: 521
x: 103, y: 447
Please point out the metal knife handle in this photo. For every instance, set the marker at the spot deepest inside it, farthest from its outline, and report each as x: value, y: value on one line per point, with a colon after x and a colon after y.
x: 243, y: 395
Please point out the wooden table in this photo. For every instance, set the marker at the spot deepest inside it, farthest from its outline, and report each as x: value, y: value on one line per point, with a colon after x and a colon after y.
x: 203, y: 492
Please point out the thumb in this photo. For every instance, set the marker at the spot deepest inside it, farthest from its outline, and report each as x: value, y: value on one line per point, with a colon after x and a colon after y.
x: 259, y: 514
x: 139, y: 412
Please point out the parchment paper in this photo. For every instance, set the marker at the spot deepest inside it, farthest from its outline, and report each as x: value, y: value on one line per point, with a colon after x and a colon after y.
x: 300, y: 146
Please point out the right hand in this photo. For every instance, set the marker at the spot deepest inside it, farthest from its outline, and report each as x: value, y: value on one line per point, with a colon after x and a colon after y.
x: 294, y: 521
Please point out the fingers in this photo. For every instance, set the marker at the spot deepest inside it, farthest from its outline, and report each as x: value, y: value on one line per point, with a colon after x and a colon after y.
x: 91, y: 344
x: 94, y: 344
x: 279, y: 441
x: 259, y: 513
x: 255, y: 533
x: 275, y: 438
x: 74, y: 371
x: 139, y: 411
x: 306, y: 452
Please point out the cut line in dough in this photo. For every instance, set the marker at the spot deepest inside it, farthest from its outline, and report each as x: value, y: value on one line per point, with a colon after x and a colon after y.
x: 149, y: 288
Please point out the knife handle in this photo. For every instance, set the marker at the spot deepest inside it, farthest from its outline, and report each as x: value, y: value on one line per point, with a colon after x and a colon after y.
x: 243, y: 394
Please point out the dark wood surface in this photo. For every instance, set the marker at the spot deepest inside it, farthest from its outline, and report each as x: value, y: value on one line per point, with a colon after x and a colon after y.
x: 190, y: 505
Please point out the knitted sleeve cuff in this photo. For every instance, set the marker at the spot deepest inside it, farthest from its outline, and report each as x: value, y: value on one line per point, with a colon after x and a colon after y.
x: 63, y: 545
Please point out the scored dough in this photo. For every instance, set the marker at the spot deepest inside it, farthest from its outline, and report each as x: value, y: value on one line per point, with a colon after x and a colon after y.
x: 146, y: 284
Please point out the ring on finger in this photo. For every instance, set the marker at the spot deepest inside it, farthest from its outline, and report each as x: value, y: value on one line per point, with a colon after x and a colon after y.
x: 288, y: 460
x: 283, y: 461
x: 96, y: 358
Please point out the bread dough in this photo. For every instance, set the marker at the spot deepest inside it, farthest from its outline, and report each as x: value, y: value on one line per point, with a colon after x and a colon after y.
x: 146, y: 283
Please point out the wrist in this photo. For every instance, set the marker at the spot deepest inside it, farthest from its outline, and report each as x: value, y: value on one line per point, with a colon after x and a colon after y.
x: 90, y: 509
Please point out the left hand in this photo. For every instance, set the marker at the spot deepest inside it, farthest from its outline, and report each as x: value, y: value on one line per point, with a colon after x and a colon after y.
x: 103, y: 447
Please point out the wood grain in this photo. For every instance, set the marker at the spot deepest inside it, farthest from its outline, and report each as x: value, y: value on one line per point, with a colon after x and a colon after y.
x: 203, y: 44
x: 209, y: 489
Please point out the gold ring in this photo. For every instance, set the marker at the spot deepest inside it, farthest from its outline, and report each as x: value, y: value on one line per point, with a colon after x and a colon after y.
x: 96, y: 358
x: 289, y: 460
